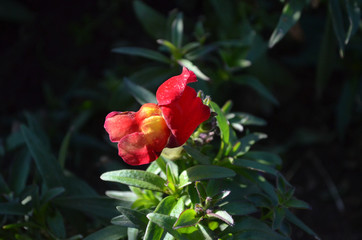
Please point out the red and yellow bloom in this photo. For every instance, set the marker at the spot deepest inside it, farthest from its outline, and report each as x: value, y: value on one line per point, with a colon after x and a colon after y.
x: 142, y: 135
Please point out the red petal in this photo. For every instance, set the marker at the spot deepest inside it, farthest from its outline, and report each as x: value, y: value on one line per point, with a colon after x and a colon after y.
x: 174, y: 87
x: 183, y: 115
x: 134, y: 151
x: 119, y: 124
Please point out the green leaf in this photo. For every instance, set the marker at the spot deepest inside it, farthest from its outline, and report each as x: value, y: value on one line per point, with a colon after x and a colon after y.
x: 254, y: 83
x: 354, y: 16
x: 20, y: 170
x: 153, y: 231
x: 240, y: 208
x: 127, y: 196
x: 200, y: 52
x: 264, y: 157
x: 132, y: 233
x: 296, y: 221
x: 296, y: 203
x: 123, y: 221
x: 136, y: 217
x: 278, y: 217
x: 64, y: 148
x: 109, y: 233
x: 249, y: 164
x: 201, y: 191
x: 56, y: 224
x: 186, y: 219
x: 251, y: 228
x: 51, y: 194
x: 177, y: 30
x: 248, y: 141
x: 14, y: 140
x: 266, y: 187
x: 166, y: 222
x: 4, y: 188
x: 197, y: 155
x: 141, y: 94
x: 13, y: 208
x: 202, y: 172
x: 45, y: 161
x: 136, y: 178
x: 153, y: 22
x: 178, y: 208
x: 222, y: 123
x: 102, y: 207
x: 245, y: 119
x: 290, y: 15
x: 192, y: 67
x: 142, y: 52
x: 336, y: 16
x: 223, y: 216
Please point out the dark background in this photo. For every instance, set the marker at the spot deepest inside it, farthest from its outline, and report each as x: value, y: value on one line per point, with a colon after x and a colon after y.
x: 50, y: 49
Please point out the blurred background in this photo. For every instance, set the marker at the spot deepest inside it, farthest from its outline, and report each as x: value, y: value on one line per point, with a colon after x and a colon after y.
x: 299, y: 69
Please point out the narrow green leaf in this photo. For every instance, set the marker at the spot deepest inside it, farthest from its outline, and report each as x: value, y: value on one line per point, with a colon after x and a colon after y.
x: 132, y: 233
x: 153, y: 168
x: 142, y: 52
x: 338, y: 25
x: 141, y: 94
x: 178, y: 208
x: 20, y: 170
x: 354, y: 18
x: 56, y: 224
x: 177, y: 30
x: 296, y: 221
x: 240, y: 208
x: 296, y: 203
x: 64, y: 149
x: 290, y: 15
x: 192, y: 67
x: 4, y: 188
x: 13, y: 208
x: 127, y: 196
x: 278, y: 217
x: 202, y: 172
x: 254, y: 83
x: 109, y: 233
x: 222, y: 123
x: 248, y: 141
x: 153, y: 231
x: 266, y: 187
x: 136, y: 178
x: 186, y: 219
x: 136, y: 217
x: 153, y: 22
x: 14, y: 140
x: 223, y: 216
x: 123, y: 221
x: 245, y: 119
x: 190, y: 46
x: 46, y: 163
x: 166, y: 222
x: 200, y: 52
x: 51, y: 194
x: 264, y: 157
x: 197, y: 155
x: 102, y: 207
x: 253, y: 165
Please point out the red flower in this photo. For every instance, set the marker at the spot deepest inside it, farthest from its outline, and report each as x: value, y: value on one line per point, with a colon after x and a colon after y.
x: 142, y: 135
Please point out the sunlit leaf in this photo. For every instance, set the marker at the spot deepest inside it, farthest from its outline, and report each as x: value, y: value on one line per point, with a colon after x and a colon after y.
x: 202, y: 172
x: 136, y: 178
x: 192, y: 67
x: 290, y: 15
